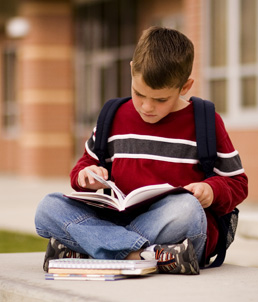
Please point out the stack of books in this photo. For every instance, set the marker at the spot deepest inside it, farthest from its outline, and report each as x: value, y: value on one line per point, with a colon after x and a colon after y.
x: 95, y: 269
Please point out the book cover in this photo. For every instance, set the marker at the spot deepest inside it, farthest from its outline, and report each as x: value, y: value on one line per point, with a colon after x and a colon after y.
x: 83, y: 277
x: 101, y: 267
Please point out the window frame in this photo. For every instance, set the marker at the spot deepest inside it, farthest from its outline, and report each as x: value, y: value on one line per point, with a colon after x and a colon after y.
x: 9, y: 95
x: 102, y: 70
x: 236, y: 116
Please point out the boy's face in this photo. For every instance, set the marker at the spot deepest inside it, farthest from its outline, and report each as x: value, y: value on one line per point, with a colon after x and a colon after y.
x: 155, y: 104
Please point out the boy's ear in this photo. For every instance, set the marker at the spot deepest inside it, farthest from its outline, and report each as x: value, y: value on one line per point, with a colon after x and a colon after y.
x: 131, y: 65
x: 187, y: 86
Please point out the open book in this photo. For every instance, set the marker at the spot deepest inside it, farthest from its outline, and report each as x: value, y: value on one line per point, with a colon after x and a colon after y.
x: 120, y: 202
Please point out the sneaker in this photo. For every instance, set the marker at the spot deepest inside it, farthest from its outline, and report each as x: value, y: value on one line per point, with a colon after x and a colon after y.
x: 56, y: 250
x: 175, y: 259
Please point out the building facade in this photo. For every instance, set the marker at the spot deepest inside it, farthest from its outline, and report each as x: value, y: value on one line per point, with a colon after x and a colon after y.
x: 72, y: 56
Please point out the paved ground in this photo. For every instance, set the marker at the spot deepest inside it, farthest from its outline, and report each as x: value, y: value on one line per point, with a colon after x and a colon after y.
x: 22, y: 280
x: 19, y: 199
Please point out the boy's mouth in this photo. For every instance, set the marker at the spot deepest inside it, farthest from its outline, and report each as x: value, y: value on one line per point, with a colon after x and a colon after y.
x: 148, y: 114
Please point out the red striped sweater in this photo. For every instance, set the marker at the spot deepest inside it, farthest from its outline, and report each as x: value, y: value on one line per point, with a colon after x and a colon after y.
x: 144, y: 154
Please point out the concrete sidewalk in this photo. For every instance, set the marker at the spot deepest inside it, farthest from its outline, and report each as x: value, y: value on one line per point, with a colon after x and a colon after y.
x: 22, y: 279
x: 19, y: 199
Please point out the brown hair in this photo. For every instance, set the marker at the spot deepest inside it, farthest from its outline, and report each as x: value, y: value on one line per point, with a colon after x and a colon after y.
x: 164, y: 58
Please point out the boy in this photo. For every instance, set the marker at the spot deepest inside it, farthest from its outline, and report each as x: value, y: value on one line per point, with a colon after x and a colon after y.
x: 152, y: 141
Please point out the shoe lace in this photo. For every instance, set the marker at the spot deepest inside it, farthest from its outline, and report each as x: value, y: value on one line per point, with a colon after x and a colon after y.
x: 163, y: 256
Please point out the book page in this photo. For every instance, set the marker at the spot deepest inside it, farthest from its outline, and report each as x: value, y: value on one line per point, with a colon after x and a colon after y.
x: 143, y: 195
x: 108, y: 183
x: 96, y: 199
x: 146, y: 192
x: 78, y: 263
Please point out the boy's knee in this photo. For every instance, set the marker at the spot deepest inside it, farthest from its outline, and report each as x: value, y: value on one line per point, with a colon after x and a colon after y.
x: 192, y: 209
x: 49, y: 201
x: 186, y: 206
x: 190, y: 214
x: 195, y: 216
x: 47, y: 212
x: 191, y: 206
x: 49, y: 204
x: 184, y: 210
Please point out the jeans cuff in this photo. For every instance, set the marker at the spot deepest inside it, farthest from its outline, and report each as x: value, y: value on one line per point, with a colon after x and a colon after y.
x: 140, y: 243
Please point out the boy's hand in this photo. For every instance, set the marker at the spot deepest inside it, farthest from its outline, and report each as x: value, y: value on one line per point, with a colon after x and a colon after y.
x: 203, y: 192
x: 85, y: 180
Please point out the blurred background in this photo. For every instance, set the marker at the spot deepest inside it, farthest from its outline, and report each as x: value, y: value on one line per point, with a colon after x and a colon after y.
x: 61, y: 60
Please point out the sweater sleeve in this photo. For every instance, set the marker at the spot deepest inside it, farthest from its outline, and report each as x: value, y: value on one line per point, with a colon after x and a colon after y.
x: 228, y: 192
x: 89, y: 158
x: 230, y: 185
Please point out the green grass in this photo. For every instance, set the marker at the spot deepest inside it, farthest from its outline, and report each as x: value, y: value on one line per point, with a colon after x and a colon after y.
x: 14, y: 242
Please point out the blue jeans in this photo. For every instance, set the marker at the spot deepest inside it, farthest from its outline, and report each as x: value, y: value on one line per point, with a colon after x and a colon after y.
x: 107, y: 234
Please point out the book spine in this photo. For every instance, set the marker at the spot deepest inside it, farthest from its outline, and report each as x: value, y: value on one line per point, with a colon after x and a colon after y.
x: 77, y: 264
x: 83, y: 277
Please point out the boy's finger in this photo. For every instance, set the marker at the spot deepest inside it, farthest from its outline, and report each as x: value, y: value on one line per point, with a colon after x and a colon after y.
x: 105, y: 173
x: 97, y: 170
x: 82, y: 182
x: 189, y: 188
x: 101, y: 172
x: 81, y: 179
x: 91, y: 179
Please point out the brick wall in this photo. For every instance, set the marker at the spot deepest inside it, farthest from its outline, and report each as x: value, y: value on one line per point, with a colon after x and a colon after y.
x: 246, y: 143
x: 46, y: 89
x: 193, y: 27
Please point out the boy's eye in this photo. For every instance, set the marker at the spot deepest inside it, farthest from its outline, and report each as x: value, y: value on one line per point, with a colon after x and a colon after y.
x: 161, y: 100
x: 138, y: 94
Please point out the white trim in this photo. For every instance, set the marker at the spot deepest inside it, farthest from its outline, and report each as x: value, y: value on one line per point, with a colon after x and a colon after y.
x: 90, y: 152
x: 151, y: 138
x: 227, y: 155
x: 228, y: 174
x: 94, y: 136
x: 154, y: 157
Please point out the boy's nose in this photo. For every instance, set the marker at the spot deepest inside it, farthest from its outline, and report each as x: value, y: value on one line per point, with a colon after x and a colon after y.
x: 147, y: 106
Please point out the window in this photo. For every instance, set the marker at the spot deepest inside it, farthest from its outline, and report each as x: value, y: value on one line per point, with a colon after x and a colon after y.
x: 105, y: 41
x: 218, y: 90
x: 248, y: 31
x: 9, y: 93
x: 232, y: 63
x: 218, y: 33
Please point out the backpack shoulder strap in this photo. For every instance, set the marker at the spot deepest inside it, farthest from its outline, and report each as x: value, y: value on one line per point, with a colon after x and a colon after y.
x: 205, y: 129
x: 104, y: 123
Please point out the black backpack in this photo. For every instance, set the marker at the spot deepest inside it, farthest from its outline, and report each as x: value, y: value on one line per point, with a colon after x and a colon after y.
x: 205, y: 129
